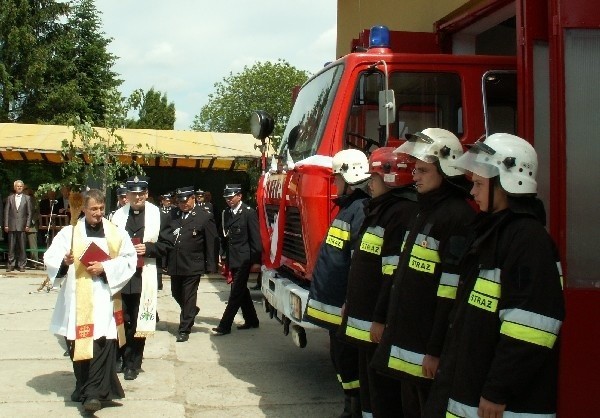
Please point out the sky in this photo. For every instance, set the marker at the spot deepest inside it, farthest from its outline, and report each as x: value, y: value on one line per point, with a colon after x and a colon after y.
x: 183, y: 47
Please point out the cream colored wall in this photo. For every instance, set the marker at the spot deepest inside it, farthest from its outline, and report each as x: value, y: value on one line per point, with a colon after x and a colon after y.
x: 408, y: 15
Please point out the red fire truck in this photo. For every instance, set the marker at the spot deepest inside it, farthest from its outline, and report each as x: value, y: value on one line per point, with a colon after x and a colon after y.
x: 398, y: 84
x: 546, y: 89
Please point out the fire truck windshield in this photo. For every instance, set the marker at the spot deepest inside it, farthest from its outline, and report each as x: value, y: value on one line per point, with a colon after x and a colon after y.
x: 306, y: 123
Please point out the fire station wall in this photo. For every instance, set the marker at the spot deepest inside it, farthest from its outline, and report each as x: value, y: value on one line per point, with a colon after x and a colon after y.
x: 407, y: 15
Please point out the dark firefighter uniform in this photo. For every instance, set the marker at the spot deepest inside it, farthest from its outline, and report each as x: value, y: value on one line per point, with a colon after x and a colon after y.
x: 195, y: 252
x: 423, y: 290
x: 241, y: 248
x: 502, y: 336
x: 373, y: 264
x: 330, y: 278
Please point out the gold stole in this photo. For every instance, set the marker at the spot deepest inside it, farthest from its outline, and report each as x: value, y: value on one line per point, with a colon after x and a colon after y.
x: 84, y: 297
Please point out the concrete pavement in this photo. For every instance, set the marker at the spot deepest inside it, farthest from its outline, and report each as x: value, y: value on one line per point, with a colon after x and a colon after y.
x: 250, y: 373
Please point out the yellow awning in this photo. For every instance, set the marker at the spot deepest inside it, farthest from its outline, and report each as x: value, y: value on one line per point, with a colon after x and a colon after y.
x: 185, y: 149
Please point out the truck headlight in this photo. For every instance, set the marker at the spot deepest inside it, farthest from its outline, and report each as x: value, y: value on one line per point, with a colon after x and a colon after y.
x: 296, y: 307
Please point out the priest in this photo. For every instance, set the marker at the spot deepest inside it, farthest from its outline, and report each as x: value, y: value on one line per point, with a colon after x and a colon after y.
x: 88, y: 311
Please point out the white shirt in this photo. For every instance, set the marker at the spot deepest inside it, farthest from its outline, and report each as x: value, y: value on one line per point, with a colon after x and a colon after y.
x: 18, y: 199
x: 237, y: 208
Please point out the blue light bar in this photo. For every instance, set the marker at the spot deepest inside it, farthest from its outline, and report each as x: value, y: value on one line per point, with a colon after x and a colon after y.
x: 379, y: 37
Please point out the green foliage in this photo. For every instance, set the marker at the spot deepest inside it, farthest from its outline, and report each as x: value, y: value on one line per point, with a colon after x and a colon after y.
x: 264, y: 86
x: 54, y: 64
x: 92, y: 157
x: 154, y: 110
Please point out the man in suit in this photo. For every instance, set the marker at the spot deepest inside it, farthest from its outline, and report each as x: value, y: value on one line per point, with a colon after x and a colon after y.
x: 149, y: 233
x: 17, y: 219
x: 242, y: 248
x: 194, y: 253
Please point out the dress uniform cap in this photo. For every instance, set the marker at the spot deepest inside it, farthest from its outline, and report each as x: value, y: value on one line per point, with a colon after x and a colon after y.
x: 199, y: 192
x: 121, y: 190
x: 137, y: 184
x: 166, y: 196
x: 183, y: 193
x: 232, y: 190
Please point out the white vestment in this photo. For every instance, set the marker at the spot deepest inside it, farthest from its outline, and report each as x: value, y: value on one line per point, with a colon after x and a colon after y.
x: 118, y: 271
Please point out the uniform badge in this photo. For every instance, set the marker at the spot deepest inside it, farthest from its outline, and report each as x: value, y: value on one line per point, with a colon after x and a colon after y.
x: 136, y: 179
x: 424, y: 244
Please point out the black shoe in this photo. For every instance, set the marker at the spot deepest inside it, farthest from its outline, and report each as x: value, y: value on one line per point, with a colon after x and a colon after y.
x: 182, y: 337
x: 21, y: 269
x: 217, y: 332
x: 92, y: 405
x: 76, y: 396
x: 247, y: 326
x: 130, y: 374
x: 9, y: 269
x: 197, y: 311
x: 257, y: 287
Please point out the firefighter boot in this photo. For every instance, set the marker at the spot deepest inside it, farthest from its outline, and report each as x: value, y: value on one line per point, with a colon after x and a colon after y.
x: 347, y: 412
x: 351, y: 407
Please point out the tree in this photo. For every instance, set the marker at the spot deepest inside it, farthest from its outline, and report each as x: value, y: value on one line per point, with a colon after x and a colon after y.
x: 154, y: 110
x: 54, y: 64
x: 264, y: 86
x: 92, y: 157
x: 27, y: 32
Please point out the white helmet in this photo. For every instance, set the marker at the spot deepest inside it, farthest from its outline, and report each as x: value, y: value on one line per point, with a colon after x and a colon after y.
x: 352, y: 164
x: 511, y: 158
x: 432, y: 145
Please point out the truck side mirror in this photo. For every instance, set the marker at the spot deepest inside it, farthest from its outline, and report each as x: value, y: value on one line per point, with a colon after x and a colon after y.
x: 261, y: 124
x: 295, y: 133
x: 387, y: 107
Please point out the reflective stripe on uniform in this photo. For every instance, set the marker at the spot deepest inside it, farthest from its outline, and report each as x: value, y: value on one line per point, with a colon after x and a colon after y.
x: 406, y: 361
x: 323, y: 312
x: 486, y: 292
x: 354, y: 384
x: 372, y: 240
x: 338, y: 233
x: 460, y: 410
x: 359, y: 329
x: 424, y: 254
x: 530, y: 327
x: 389, y: 264
x: 560, y: 273
x: 448, y: 285
x: 367, y: 414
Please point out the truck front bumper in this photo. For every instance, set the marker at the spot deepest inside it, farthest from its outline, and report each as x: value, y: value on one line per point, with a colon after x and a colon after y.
x: 285, y: 300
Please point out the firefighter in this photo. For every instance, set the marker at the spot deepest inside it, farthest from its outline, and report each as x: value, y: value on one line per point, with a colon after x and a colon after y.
x: 501, y: 351
x: 392, y: 205
x: 330, y: 275
x: 424, y: 283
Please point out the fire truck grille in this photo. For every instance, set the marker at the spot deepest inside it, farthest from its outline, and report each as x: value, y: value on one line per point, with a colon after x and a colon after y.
x: 293, y: 246
x: 271, y: 212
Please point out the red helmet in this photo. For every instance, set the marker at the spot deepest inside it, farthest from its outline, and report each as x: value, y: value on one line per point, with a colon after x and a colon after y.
x: 394, y: 169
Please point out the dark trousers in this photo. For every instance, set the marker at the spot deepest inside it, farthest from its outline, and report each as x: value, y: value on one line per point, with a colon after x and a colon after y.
x: 379, y: 394
x: 132, y: 352
x: 97, y: 378
x: 16, y: 244
x: 414, y: 397
x: 344, y: 357
x: 239, y: 298
x: 185, y: 292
